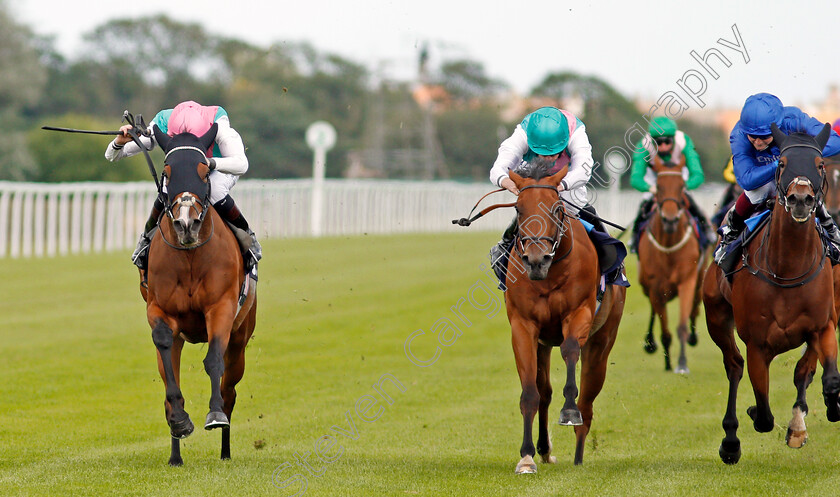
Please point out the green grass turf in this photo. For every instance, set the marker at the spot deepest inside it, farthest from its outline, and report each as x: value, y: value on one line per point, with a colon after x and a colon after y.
x: 82, y: 402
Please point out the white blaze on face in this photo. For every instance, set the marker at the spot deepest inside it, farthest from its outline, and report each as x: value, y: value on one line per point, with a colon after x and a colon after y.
x: 185, y: 204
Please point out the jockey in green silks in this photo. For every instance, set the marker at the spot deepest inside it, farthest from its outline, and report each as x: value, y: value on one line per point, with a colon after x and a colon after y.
x: 670, y: 144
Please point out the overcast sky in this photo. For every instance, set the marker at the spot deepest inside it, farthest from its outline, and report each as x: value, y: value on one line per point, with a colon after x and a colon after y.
x: 642, y: 48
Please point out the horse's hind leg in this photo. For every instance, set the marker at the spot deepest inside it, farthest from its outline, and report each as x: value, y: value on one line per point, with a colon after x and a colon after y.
x: 797, y: 434
x: 234, y: 369
x: 830, y: 377
x: 593, y: 371
x: 169, y: 354
x: 545, y: 390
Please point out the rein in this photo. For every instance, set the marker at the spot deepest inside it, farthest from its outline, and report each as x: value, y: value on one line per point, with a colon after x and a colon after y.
x: 554, y: 240
x: 760, y: 272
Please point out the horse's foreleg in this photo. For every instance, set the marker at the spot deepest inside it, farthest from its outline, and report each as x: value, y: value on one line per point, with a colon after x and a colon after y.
x: 797, y: 434
x: 695, y: 309
x: 650, y: 342
x: 524, y: 339
x: 720, y: 324
x: 219, y: 321
x: 686, y: 291
x: 179, y: 422
x: 758, y: 365
x: 545, y: 391
x: 576, y: 329
x: 659, y: 304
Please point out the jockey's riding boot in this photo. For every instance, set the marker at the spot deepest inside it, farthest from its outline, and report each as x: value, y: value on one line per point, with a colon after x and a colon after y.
x: 644, y: 209
x: 227, y: 208
x: 828, y: 225
x: 729, y: 232
x: 140, y: 256
x: 499, y: 252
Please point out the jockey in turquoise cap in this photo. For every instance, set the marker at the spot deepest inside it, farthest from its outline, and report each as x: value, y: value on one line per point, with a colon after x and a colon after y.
x: 552, y: 138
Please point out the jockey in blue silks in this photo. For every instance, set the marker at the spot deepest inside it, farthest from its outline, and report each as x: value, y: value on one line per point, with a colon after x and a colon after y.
x: 755, y: 157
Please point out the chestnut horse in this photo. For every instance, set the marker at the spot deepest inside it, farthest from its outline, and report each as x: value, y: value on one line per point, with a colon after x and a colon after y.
x: 195, y: 274
x: 553, y: 276
x: 779, y: 298
x: 671, y: 262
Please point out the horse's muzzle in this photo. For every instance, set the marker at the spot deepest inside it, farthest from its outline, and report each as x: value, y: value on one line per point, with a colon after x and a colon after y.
x: 537, y: 265
x: 801, y: 206
x: 187, y: 231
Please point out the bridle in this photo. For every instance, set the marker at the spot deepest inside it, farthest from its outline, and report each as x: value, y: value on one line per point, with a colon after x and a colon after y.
x: 189, y: 200
x: 680, y: 204
x: 818, y: 192
x: 561, y: 227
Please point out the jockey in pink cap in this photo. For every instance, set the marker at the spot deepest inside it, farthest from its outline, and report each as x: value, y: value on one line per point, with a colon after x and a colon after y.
x: 227, y: 162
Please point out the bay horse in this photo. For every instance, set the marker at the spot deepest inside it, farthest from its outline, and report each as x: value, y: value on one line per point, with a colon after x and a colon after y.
x: 553, y: 276
x: 671, y: 262
x: 195, y: 273
x: 779, y: 298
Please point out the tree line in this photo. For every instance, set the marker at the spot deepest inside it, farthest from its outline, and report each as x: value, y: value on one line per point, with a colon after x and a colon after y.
x: 386, y: 128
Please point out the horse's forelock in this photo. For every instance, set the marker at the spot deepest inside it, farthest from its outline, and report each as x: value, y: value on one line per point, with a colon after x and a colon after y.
x: 537, y: 168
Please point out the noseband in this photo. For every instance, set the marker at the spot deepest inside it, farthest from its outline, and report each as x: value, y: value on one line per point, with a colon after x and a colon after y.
x: 781, y: 193
x: 678, y: 201
x: 553, y: 240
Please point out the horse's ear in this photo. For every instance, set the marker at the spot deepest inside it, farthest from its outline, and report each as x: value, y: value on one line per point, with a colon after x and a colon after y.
x: 517, y: 179
x: 161, y: 138
x: 208, y: 138
x: 778, y: 136
x: 822, y: 138
x: 557, y: 177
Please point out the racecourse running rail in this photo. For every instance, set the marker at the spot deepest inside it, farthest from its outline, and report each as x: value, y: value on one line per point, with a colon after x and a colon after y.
x: 49, y: 219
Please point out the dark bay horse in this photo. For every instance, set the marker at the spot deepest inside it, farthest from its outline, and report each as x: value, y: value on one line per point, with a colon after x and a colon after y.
x: 553, y: 276
x: 671, y: 262
x: 195, y: 274
x: 780, y: 297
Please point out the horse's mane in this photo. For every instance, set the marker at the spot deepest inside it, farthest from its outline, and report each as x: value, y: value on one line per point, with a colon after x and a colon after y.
x: 533, y: 169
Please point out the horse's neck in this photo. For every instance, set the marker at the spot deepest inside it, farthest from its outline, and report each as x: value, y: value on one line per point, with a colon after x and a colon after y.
x: 791, y: 246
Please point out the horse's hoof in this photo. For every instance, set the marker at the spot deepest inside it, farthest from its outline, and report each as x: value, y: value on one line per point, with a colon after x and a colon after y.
x: 181, y: 428
x: 833, y: 415
x: 548, y: 459
x: 796, y: 439
x: 570, y: 417
x: 216, y: 419
x: 730, y: 455
x: 176, y: 462
x: 650, y: 347
x: 526, y: 466
x: 681, y: 369
x: 692, y: 339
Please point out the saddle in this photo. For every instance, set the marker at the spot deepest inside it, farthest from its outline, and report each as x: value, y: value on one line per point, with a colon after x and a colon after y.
x: 733, y: 251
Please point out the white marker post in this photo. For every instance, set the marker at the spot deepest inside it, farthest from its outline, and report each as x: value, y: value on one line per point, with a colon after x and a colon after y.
x: 320, y: 136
